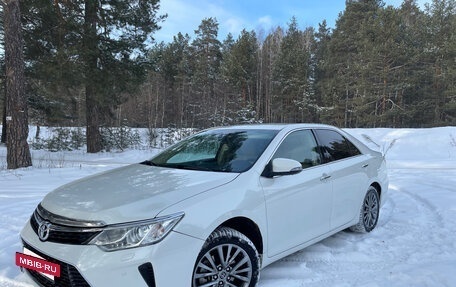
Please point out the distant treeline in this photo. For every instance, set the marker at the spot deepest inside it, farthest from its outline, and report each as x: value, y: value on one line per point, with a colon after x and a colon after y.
x: 381, y: 66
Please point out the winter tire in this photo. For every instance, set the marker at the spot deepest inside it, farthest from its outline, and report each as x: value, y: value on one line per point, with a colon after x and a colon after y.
x: 228, y: 258
x: 369, y: 213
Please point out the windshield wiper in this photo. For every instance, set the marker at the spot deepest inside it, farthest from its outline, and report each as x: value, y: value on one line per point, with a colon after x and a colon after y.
x: 190, y: 167
x: 179, y: 166
x: 148, y: 162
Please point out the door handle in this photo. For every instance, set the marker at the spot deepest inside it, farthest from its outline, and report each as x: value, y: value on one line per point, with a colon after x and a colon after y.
x: 325, y: 177
x: 365, y: 165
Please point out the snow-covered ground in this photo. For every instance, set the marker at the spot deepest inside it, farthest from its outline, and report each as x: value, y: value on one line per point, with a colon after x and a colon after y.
x: 413, y: 245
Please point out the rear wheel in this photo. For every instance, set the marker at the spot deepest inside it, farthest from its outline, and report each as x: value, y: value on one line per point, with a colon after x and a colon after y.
x: 369, y: 213
x: 228, y: 258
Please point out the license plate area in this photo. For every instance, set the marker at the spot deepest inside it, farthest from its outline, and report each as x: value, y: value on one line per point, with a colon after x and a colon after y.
x: 32, y: 261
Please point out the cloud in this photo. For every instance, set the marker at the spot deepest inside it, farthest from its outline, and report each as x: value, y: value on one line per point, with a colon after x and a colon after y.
x: 265, y: 20
x: 233, y: 25
x: 186, y: 16
x: 183, y: 16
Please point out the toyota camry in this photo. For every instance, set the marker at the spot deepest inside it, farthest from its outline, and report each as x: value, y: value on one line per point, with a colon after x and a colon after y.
x: 211, y: 210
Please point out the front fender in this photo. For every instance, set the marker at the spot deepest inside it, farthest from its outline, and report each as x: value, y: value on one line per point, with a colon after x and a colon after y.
x: 205, y: 212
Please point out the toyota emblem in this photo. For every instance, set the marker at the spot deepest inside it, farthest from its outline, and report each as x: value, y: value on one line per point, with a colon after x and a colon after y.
x: 43, y: 230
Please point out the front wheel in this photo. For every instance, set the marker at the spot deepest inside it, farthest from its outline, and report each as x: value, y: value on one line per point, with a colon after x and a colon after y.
x: 228, y: 258
x: 369, y: 213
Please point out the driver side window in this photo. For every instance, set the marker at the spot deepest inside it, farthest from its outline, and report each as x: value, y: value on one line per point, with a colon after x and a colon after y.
x: 300, y: 146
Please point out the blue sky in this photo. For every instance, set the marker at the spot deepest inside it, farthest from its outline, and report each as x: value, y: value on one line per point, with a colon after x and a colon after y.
x: 234, y: 15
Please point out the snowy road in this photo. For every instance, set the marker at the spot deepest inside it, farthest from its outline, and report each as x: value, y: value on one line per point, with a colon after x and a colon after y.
x: 413, y: 245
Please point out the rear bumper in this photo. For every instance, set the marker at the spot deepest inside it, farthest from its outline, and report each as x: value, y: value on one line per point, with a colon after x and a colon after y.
x: 383, y: 177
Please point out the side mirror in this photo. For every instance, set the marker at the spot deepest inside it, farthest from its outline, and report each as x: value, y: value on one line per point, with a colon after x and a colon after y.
x: 282, y: 166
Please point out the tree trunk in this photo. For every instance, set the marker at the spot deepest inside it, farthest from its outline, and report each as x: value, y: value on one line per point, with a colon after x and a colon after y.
x: 94, y: 144
x: 3, y: 139
x: 93, y: 134
x: 18, y: 152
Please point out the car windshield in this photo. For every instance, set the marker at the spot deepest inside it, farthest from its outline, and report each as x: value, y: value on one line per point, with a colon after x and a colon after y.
x: 224, y: 150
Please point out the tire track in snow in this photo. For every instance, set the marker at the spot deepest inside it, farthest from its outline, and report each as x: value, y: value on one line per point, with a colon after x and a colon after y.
x: 427, y: 207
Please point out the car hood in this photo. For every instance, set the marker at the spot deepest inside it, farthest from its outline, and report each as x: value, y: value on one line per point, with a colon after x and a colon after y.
x: 130, y: 193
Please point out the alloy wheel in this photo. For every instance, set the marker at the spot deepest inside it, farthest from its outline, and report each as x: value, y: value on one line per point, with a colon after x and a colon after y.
x: 223, y: 265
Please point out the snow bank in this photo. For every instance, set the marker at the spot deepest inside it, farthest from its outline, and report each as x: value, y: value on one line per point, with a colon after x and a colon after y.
x: 413, y: 245
x: 420, y: 148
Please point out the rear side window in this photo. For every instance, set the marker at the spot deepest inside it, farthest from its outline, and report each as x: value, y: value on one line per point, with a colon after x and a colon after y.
x: 334, y: 146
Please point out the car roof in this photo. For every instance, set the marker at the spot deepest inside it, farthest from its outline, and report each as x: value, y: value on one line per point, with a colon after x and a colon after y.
x: 277, y: 127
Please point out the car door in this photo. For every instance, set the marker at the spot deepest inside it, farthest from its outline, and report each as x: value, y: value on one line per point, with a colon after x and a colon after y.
x: 348, y: 174
x: 298, y: 206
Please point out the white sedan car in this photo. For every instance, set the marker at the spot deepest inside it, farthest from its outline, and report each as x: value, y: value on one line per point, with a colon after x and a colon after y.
x: 211, y: 210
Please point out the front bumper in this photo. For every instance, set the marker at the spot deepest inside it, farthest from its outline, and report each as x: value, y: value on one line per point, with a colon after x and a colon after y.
x: 172, y: 260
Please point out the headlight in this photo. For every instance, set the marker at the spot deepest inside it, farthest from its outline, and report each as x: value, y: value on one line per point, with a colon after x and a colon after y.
x: 135, y: 234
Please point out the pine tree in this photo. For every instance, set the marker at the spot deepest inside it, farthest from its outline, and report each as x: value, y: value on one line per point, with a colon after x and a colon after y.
x: 54, y: 73
x: 170, y: 66
x: 2, y: 79
x: 441, y: 54
x: 206, y: 60
x: 348, y: 85
x: 321, y: 69
x: 182, y: 85
x: 380, y: 82
x: 270, y: 51
x: 18, y: 152
x: 413, y: 75
x: 98, y: 47
x: 292, y: 71
x: 239, y: 67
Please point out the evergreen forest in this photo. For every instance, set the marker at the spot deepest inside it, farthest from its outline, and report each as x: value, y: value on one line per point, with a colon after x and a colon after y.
x: 380, y: 66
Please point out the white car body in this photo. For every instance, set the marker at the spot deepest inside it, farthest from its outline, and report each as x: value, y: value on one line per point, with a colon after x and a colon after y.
x: 284, y: 213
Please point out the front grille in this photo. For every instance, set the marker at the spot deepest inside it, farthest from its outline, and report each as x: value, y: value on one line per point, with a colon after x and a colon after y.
x: 69, y: 275
x: 64, y: 234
